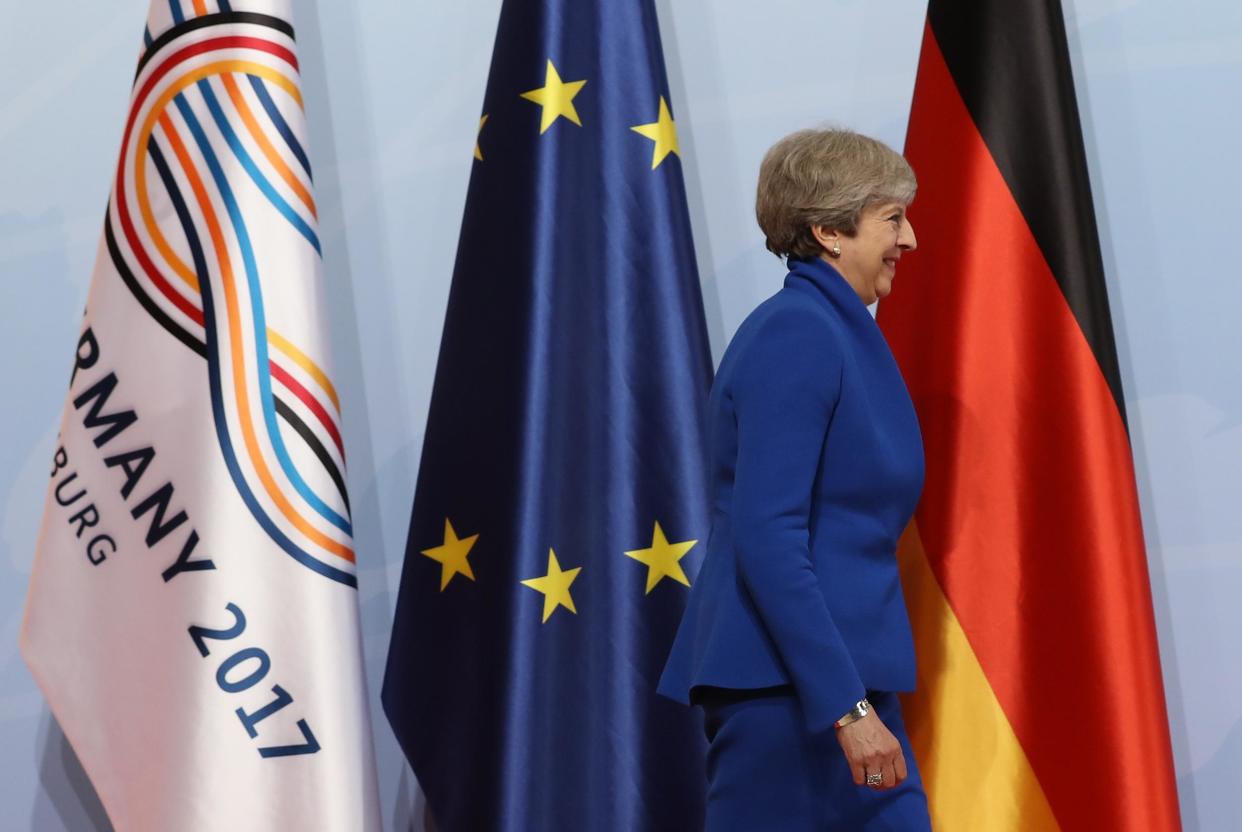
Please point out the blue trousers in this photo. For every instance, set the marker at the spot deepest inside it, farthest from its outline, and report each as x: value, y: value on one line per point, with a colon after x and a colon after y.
x: 766, y: 772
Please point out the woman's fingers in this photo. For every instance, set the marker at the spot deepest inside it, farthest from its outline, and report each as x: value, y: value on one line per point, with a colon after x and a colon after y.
x: 899, y: 766
x: 892, y: 770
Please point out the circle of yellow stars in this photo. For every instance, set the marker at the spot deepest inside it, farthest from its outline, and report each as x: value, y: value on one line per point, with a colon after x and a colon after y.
x: 662, y: 559
x: 556, y: 100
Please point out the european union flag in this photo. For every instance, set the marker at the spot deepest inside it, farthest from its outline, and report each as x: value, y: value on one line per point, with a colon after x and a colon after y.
x: 561, y: 506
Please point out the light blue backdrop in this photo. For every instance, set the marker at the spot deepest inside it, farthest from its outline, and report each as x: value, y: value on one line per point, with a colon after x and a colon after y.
x: 393, y: 92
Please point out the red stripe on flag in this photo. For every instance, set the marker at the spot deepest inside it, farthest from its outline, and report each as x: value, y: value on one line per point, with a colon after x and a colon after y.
x: 307, y: 398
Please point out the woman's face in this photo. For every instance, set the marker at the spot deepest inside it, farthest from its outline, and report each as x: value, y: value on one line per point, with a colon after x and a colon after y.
x: 868, y: 259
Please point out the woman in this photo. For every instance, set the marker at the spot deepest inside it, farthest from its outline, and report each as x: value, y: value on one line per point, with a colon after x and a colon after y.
x: 795, y: 639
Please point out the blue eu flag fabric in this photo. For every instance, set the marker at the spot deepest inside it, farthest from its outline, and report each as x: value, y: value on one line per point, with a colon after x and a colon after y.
x: 561, y: 511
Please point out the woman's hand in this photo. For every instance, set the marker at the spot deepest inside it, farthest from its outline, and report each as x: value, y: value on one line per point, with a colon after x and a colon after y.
x: 871, y: 748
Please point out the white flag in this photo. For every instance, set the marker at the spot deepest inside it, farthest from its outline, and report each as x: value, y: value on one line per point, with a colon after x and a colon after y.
x: 193, y: 616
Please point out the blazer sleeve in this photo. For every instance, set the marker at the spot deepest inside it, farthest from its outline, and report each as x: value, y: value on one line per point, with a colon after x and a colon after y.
x: 785, y: 390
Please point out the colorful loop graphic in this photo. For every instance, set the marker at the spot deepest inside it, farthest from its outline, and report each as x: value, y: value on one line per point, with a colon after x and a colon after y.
x: 213, y: 227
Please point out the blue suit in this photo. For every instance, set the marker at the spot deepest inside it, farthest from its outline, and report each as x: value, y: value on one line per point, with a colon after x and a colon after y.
x: 816, y: 464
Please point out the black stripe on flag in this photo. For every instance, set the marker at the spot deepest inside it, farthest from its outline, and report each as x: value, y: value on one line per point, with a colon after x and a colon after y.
x: 1011, y: 66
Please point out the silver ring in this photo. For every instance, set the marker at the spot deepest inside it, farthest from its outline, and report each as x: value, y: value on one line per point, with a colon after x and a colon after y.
x: 875, y: 779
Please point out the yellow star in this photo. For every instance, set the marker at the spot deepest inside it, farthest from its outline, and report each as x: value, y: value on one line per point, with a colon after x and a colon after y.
x: 556, y: 97
x: 663, y: 132
x: 452, y: 554
x: 555, y: 586
x: 478, y: 153
x: 662, y: 558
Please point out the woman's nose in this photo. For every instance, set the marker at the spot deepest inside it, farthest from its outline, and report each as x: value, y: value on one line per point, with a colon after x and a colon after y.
x: 906, y: 238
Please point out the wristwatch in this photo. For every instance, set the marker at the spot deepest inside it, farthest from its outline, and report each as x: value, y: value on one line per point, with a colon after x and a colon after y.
x: 861, y: 708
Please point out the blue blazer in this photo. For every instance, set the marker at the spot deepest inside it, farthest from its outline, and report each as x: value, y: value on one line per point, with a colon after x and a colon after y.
x: 816, y: 464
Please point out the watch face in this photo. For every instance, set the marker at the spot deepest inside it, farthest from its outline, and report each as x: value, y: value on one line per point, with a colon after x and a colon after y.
x: 861, y: 708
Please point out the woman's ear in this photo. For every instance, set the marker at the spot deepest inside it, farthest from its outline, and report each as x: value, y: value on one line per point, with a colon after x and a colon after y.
x: 825, y: 236
x: 829, y: 239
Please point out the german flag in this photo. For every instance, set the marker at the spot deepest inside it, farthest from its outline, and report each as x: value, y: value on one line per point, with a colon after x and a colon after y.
x: 1040, y: 702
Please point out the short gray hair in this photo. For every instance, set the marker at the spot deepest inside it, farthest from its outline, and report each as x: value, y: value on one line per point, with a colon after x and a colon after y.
x: 825, y: 177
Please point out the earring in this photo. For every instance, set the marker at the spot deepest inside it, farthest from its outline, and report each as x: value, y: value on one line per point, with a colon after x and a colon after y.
x: 836, y: 248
